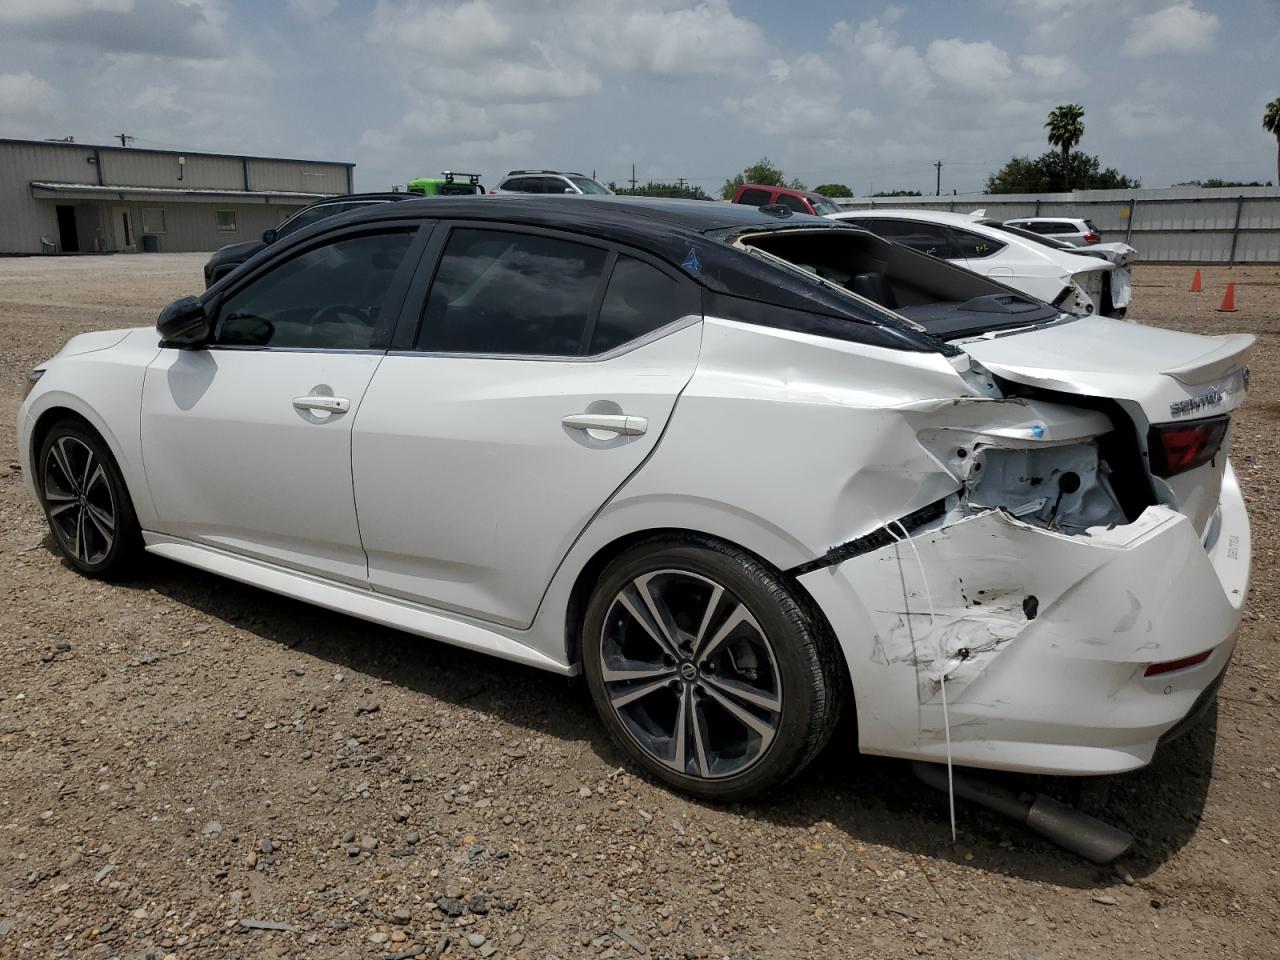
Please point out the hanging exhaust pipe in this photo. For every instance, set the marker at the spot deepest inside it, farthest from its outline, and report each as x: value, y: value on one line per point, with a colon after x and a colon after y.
x: 1066, y: 826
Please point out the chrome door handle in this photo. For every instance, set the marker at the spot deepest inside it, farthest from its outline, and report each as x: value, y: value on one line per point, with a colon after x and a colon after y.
x: 619, y: 424
x: 331, y: 404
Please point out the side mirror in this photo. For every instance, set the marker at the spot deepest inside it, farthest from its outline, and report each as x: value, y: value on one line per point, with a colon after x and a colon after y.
x: 184, y: 323
x: 269, y: 236
x: 570, y: 190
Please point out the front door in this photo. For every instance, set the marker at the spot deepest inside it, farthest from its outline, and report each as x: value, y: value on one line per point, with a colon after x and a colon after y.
x: 123, y: 222
x: 542, y: 376
x: 247, y: 443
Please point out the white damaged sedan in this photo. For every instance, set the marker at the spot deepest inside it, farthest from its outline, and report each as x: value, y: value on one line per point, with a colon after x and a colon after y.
x: 1080, y: 280
x: 743, y: 469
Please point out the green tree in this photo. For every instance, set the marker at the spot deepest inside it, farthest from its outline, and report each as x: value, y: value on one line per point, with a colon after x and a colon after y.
x: 1066, y: 129
x: 833, y: 190
x: 764, y: 173
x: 897, y: 193
x: 1271, y: 123
x: 1054, y: 173
x: 657, y: 189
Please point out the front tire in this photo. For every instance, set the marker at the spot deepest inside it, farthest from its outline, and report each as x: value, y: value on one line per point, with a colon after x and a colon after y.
x: 708, y: 669
x: 87, y: 503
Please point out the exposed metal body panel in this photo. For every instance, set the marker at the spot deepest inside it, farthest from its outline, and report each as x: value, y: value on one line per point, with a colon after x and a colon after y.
x: 113, y: 197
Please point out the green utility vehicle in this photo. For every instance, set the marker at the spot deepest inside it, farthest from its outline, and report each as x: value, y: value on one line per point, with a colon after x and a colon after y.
x: 448, y: 184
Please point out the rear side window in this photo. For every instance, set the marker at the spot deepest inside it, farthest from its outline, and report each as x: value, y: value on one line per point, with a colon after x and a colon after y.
x: 974, y: 246
x: 640, y: 299
x: 755, y: 198
x: 511, y: 293
x: 793, y: 203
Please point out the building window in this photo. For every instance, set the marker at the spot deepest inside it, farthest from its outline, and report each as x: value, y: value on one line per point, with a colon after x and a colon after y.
x: 152, y: 220
x: 226, y: 220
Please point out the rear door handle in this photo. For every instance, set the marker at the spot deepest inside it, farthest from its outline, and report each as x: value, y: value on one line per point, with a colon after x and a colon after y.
x: 619, y: 424
x: 333, y: 405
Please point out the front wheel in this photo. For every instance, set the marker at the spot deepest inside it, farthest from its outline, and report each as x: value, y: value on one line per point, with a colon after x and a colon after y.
x: 86, y: 502
x: 708, y: 669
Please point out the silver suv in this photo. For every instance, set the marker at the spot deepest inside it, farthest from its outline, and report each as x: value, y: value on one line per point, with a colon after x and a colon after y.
x: 550, y: 181
x: 1077, y: 232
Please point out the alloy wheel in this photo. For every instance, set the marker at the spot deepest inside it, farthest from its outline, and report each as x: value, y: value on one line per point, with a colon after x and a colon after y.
x: 690, y: 674
x: 78, y: 496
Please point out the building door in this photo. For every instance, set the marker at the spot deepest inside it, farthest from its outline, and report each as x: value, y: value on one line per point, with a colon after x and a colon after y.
x: 68, y: 241
x: 124, y: 228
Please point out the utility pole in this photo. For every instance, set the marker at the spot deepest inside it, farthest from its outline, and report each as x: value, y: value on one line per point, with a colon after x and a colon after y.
x: 124, y: 139
x: 938, y: 189
x: 680, y: 183
x: 633, y: 178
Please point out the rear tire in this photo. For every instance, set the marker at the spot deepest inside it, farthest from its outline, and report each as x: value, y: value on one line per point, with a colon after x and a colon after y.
x: 86, y: 503
x: 708, y: 669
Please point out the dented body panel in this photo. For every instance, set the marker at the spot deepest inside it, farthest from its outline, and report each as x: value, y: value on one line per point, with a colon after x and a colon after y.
x: 1042, y: 637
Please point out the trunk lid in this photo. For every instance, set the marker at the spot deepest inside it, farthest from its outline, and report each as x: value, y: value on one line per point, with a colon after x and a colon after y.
x: 1157, y: 376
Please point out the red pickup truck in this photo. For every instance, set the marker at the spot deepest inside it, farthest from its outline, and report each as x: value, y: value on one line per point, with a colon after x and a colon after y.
x: 801, y: 201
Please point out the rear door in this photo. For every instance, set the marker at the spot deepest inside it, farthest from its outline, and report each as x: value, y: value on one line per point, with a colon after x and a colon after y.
x: 532, y: 377
x: 247, y: 442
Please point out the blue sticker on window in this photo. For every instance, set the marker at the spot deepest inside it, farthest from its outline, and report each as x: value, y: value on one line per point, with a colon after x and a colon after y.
x: 691, y: 262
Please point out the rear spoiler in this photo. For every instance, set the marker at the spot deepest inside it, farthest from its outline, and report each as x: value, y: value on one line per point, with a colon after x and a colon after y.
x: 1228, y: 354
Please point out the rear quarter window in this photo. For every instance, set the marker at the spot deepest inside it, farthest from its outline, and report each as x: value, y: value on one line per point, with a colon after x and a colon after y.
x: 755, y: 198
x: 640, y: 299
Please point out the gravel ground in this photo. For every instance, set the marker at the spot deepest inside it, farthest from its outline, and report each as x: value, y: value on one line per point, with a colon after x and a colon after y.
x: 194, y: 768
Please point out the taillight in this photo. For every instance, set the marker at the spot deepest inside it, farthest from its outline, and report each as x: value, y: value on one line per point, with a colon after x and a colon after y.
x: 1168, y: 666
x: 1091, y: 238
x: 1177, y: 447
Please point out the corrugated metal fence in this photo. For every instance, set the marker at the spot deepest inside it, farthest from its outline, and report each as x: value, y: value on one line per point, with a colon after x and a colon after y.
x: 1177, y: 224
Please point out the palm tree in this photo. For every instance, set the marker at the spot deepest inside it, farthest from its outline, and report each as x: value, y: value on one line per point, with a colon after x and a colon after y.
x: 1271, y: 123
x: 1066, y: 129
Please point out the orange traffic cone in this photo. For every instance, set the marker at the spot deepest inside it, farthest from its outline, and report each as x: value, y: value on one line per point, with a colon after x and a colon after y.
x: 1229, y: 300
x: 1195, y: 283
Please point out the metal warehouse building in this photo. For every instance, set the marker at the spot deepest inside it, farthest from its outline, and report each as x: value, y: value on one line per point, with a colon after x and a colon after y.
x: 58, y: 197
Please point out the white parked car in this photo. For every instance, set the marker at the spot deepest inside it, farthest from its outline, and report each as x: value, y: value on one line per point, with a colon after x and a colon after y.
x: 1077, y: 284
x: 1073, y: 230
x: 551, y: 181
x: 742, y: 470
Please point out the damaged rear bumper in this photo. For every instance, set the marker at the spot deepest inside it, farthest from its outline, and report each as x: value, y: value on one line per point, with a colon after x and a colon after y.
x: 1043, y: 638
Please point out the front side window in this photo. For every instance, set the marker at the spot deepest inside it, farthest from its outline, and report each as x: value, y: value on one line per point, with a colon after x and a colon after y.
x: 793, y: 203
x: 931, y: 238
x: 822, y: 206
x: 225, y: 221
x: 330, y: 297
x: 640, y: 299
x: 587, y: 185
x: 511, y: 293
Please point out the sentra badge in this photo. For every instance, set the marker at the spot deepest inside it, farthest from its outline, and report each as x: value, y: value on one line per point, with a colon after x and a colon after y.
x: 1181, y: 408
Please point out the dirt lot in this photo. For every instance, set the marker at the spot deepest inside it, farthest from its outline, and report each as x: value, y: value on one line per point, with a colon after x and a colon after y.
x: 184, y: 756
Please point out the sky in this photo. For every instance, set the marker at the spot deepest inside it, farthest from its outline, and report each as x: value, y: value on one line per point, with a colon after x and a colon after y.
x: 861, y: 93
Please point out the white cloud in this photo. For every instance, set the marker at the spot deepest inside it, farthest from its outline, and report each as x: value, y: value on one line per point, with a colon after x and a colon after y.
x: 970, y: 68
x: 1178, y: 28
x: 457, y: 33
x: 25, y: 93
x: 28, y: 11
x: 1051, y: 68
x: 313, y: 9
x: 897, y: 67
x: 705, y: 38
x: 166, y: 28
